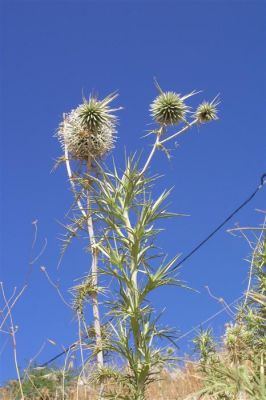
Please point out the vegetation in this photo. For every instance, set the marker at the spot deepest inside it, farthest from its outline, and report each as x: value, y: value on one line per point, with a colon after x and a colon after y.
x: 130, y: 356
x: 237, y: 369
x: 120, y: 215
x: 41, y: 384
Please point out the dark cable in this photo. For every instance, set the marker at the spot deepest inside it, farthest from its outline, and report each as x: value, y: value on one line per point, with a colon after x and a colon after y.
x: 58, y: 355
x: 262, y: 182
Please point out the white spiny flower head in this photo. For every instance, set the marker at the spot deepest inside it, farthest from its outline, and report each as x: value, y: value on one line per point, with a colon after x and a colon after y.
x: 89, y: 130
x: 207, y: 111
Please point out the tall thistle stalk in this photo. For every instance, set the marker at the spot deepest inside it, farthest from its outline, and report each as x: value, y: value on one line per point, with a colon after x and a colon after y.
x: 94, y: 274
x: 87, y: 134
x: 127, y: 213
x: 122, y: 206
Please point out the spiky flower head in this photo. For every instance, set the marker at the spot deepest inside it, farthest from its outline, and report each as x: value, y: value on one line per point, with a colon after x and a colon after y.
x: 239, y: 341
x: 168, y: 108
x: 83, y: 292
x: 89, y: 130
x: 204, y: 344
x: 104, y: 374
x: 95, y: 113
x: 207, y: 111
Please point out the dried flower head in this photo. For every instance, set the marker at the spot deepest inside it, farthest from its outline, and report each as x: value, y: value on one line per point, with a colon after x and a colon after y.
x: 168, y: 108
x: 89, y: 130
x: 83, y: 292
x: 207, y: 111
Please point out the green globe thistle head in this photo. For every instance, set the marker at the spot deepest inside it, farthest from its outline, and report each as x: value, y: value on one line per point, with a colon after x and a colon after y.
x: 95, y: 113
x: 168, y: 108
x: 207, y: 111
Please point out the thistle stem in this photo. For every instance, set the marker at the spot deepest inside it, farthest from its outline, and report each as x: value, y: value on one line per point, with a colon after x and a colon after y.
x: 94, y: 266
x: 94, y: 273
x: 71, y: 180
x: 159, y: 142
x: 184, y: 129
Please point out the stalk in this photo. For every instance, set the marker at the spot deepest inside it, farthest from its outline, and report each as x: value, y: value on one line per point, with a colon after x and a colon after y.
x: 94, y: 272
x: 13, y: 338
x: 134, y: 321
x: 94, y: 266
x: 158, y: 143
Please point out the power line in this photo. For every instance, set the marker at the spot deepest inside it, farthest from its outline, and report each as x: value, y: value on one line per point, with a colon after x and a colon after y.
x: 72, y: 346
x: 253, y: 194
x: 209, y: 319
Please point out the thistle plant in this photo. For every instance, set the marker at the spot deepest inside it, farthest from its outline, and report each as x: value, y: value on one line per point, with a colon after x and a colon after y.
x: 87, y: 134
x: 127, y: 213
x: 235, y: 382
x: 205, y: 346
x: 258, y: 293
x: 252, y: 314
x: 120, y: 207
x: 238, y: 370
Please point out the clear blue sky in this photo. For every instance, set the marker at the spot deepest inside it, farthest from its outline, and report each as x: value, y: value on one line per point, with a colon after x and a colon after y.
x: 51, y: 51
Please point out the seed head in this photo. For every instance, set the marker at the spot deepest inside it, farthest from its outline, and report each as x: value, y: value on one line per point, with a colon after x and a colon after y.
x: 168, y: 108
x: 89, y: 130
x: 207, y: 111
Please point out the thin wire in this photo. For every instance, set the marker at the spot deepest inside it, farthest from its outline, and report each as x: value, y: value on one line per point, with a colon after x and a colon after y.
x: 262, y: 182
x: 209, y: 319
x: 179, y: 338
x: 59, y: 355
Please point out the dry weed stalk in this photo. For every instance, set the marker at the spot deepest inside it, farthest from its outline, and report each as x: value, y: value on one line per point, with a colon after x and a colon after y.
x: 11, y: 328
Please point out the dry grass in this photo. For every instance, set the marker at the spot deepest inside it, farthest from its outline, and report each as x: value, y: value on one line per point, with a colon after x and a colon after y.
x: 175, y: 385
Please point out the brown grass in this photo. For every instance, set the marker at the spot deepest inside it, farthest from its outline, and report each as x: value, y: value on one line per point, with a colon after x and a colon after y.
x: 175, y: 385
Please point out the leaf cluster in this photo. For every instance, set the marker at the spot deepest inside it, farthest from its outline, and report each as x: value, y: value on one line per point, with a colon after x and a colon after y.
x: 127, y: 214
